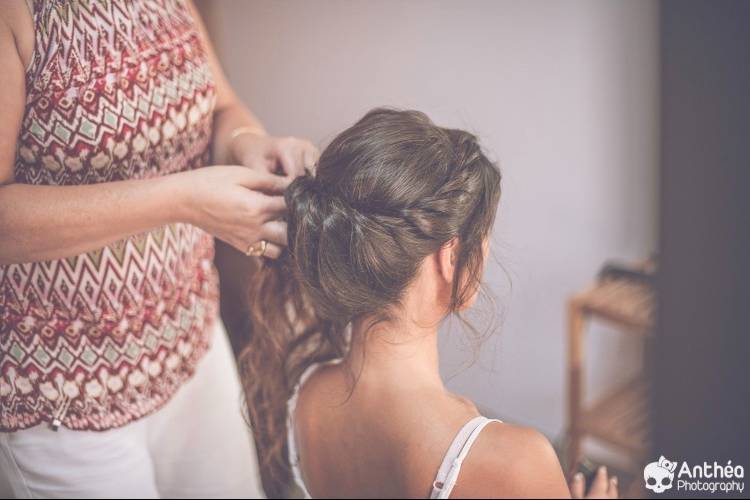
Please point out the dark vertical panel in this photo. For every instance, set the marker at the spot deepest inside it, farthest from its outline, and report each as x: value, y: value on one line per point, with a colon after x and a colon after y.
x: 702, y: 347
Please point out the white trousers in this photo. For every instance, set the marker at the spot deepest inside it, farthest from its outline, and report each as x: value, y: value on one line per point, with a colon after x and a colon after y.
x: 196, y: 446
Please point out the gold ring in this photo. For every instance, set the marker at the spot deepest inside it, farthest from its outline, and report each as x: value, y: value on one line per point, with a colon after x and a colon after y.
x: 257, y: 249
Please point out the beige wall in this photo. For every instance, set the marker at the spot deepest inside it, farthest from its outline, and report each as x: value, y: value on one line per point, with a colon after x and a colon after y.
x: 564, y: 94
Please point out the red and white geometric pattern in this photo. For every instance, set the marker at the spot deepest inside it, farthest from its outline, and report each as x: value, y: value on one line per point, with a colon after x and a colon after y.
x: 117, y: 89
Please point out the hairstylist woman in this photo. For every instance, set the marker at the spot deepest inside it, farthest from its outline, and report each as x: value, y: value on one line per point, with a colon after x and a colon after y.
x: 115, y: 374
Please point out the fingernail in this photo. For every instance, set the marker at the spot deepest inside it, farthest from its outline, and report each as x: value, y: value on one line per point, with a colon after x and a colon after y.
x: 578, y: 476
x: 602, y: 469
x: 614, y: 480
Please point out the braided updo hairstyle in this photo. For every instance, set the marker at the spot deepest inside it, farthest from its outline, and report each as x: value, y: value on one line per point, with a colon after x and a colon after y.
x: 387, y: 192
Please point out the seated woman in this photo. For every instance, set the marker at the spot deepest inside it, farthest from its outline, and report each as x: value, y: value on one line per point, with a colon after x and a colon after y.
x: 386, y: 239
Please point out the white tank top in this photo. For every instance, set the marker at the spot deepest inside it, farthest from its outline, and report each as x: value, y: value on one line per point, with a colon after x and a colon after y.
x: 448, y: 472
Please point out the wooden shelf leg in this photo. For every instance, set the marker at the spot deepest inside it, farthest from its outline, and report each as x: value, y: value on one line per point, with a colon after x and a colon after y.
x: 576, y: 330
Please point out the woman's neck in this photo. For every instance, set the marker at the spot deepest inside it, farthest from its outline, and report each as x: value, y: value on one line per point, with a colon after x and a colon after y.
x: 398, y: 353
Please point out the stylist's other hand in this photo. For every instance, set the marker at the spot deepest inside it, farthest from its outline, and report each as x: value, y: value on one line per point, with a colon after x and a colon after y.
x: 235, y: 204
x: 603, y: 486
x: 288, y: 156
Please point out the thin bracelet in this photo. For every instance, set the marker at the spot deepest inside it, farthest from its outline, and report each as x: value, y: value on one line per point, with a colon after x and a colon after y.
x: 245, y: 130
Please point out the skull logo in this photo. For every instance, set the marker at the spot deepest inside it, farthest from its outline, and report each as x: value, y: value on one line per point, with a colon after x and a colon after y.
x: 659, y: 475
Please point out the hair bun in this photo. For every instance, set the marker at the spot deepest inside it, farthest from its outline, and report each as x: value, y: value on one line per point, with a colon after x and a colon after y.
x: 311, y: 205
x: 305, y: 200
x: 304, y: 189
x: 315, y: 217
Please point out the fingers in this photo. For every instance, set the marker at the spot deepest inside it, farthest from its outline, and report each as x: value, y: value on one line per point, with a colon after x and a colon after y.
x: 291, y: 160
x: 600, y: 485
x: 272, y: 251
x: 289, y: 155
x: 274, y: 232
x: 260, y: 163
x: 274, y: 207
x: 613, y: 491
x: 577, y: 486
x: 295, y: 155
x: 263, y: 181
x: 310, y: 156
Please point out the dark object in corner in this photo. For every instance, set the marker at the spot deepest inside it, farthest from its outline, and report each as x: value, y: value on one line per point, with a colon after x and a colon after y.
x: 615, y: 271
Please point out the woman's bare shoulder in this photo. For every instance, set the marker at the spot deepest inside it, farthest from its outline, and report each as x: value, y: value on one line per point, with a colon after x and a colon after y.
x: 321, y: 396
x: 509, y: 461
x: 322, y: 380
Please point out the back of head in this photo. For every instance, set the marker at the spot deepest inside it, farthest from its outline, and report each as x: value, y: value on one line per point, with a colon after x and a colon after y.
x: 389, y: 191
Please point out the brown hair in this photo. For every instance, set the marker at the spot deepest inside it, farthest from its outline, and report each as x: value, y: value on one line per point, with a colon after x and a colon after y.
x: 388, y: 191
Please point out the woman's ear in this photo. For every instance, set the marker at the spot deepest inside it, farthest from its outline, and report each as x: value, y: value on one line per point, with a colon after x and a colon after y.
x: 447, y: 256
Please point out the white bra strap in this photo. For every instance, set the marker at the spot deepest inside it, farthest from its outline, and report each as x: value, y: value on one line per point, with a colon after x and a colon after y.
x: 444, y: 490
x: 474, y: 435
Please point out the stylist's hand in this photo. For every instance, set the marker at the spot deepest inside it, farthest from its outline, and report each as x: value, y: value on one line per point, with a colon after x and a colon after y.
x: 235, y: 204
x: 277, y: 155
x: 602, y: 486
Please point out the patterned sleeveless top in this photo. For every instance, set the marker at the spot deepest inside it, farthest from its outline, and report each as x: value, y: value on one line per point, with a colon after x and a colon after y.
x: 116, y: 89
